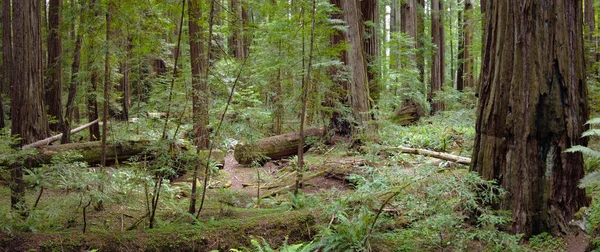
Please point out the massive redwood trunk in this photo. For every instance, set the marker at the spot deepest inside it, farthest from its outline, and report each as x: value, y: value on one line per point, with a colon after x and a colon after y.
x: 533, y: 107
x: 357, y: 62
x: 370, y: 18
x: 54, y: 70
x: 29, y: 120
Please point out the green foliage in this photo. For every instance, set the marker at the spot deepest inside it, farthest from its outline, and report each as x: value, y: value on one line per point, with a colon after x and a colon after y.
x: 546, y: 242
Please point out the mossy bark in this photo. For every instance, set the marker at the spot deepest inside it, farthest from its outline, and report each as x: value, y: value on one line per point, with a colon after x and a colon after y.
x: 533, y: 107
x: 273, y: 147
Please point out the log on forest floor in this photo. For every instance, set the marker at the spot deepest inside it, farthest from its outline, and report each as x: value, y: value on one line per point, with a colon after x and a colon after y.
x: 51, y: 139
x: 91, y: 152
x: 410, y: 112
x: 275, y: 147
x: 428, y: 153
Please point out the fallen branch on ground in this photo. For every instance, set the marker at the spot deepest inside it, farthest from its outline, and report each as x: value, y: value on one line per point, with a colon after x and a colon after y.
x: 51, y: 139
x: 428, y: 153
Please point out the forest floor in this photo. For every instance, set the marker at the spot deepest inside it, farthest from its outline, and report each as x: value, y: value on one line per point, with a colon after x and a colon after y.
x: 343, y: 189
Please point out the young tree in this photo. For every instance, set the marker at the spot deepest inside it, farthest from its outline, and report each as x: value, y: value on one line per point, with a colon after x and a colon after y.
x: 29, y: 120
x: 437, y: 67
x: 464, y: 74
x: 54, y: 69
x: 533, y: 107
x: 420, y: 38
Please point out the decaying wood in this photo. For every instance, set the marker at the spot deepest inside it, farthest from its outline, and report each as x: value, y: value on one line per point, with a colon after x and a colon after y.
x: 290, y: 186
x: 273, y: 147
x: 90, y: 152
x: 435, y: 154
x: 51, y: 139
x: 410, y: 112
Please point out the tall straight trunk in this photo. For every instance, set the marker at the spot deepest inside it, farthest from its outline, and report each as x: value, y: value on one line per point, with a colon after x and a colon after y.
x: 464, y: 74
x: 92, y: 105
x: 533, y: 107
x: 338, y: 122
x: 420, y: 38
x: 29, y: 120
x: 590, y: 22
x: 199, y: 85
x: 7, y: 57
x: 395, y: 27
x: 359, y: 84
x: 69, y: 114
x: 370, y: 18
x: 54, y: 68
x: 107, y: 83
x: 124, y: 85
x: 409, y: 19
x: 437, y: 67
x: 238, y: 42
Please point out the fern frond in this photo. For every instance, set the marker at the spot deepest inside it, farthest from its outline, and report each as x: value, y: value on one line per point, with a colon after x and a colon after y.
x: 591, y: 132
x: 593, y: 121
x: 584, y: 150
x: 590, y: 180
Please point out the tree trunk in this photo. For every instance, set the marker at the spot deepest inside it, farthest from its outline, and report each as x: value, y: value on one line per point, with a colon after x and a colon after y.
x: 54, y: 70
x: 238, y: 42
x: 437, y: 67
x: 274, y: 147
x: 338, y: 121
x: 409, y: 19
x: 533, y: 106
x: 395, y: 27
x: 29, y: 120
x: 590, y: 21
x: 359, y: 84
x: 6, y: 55
x: 370, y: 19
x: 464, y: 75
x: 420, y: 38
x: 198, y: 61
x: 71, y: 106
x: 107, y: 82
x: 91, y: 96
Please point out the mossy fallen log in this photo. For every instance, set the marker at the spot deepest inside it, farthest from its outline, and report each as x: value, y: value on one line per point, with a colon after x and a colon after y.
x: 409, y: 113
x: 275, y: 147
x: 91, y: 152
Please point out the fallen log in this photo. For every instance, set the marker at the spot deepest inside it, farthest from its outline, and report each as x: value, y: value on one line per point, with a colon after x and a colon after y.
x: 274, y: 147
x: 91, y: 152
x: 409, y: 113
x: 435, y: 154
x: 51, y: 139
x: 288, y: 187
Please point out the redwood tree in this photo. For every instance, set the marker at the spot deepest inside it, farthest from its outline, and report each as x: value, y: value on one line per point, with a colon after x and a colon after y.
x: 54, y: 69
x: 29, y: 120
x: 464, y: 75
x: 437, y: 66
x: 533, y: 107
x: 6, y: 54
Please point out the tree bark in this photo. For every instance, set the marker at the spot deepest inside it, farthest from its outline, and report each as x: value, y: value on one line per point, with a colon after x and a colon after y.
x: 409, y: 19
x: 590, y: 21
x: 107, y: 82
x: 238, y: 42
x: 6, y: 55
x: 91, y: 96
x: 370, y: 19
x: 533, y: 107
x: 420, y: 38
x: 359, y: 84
x: 464, y: 74
x: 29, y: 120
x: 199, y: 85
x: 395, y: 27
x: 75, y: 82
x: 338, y: 121
x: 274, y: 147
x: 437, y: 67
x: 54, y: 69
